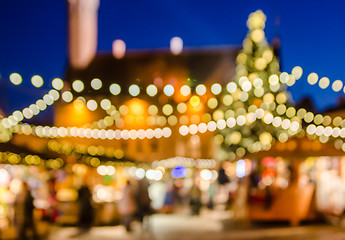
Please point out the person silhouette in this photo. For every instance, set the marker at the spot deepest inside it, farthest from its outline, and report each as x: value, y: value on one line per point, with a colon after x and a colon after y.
x: 24, y: 214
x: 86, y: 211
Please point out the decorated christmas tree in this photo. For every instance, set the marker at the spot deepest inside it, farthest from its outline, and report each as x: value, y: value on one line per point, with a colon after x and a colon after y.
x: 256, y: 104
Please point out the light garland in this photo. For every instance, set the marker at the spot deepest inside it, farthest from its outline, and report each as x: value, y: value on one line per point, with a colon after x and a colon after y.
x: 34, y: 109
x: 13, y: 158
x: 67, y: 148
x: 60, y: 132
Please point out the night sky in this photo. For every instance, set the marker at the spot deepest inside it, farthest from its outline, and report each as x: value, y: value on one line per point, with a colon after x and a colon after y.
x: 33, y: 37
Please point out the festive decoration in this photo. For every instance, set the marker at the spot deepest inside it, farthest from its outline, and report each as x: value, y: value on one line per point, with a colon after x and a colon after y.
x: 257, y: 95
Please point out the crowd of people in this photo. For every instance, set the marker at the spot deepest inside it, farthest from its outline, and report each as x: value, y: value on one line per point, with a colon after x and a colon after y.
x: 135, y: 203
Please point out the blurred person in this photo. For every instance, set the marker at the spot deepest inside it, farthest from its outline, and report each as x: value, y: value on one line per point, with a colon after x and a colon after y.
x: 240, y: 205
x: 86, y: 211
x: 143, y: 202
x: 127, y: 206
x: 212, y: 190
x: 195, y: 200
x: 169, y: 199
x: 24, y: 214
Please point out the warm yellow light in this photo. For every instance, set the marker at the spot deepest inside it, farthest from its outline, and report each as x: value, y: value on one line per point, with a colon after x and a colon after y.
x: 256, y: 20
x: 268, y: 98
x: 218, y: 114
x: 257, y: 35
x: 167, y: 109
x: 337, y: 121
x: 290, y: 112
x: 265, y: 138
x: 324, y: 82
x: 309, y: 116
x: 172, y: 120
x: 281, y: 98
x: 326, y: 120
x: 136, y: 107
x: 281, y: 109
x: 227, y: 100
x: 337, y: 85
x: 185, y: 90
x: 241, y: 58
x: 312, y: 78
x: 212, y: 103
x: 260, y: 64
x: 301, y: 113
x: 194, y: 101
x: 235, y: 137
x: 259, y: 92
x: 297, y: 72
x: 318, y: 119
x: 78, y: 104
x: 268, y: 55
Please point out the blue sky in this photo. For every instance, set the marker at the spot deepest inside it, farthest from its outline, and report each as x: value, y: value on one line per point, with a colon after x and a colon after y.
x: 33, y: 36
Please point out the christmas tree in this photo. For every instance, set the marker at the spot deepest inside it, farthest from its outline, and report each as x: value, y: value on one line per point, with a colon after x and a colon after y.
x: 256, y: 105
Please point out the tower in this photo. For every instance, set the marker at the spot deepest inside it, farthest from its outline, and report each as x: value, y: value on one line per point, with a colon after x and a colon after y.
x: 82, y: 33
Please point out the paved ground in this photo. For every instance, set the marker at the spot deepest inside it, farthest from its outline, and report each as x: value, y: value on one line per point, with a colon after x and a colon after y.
x: 207, y: 226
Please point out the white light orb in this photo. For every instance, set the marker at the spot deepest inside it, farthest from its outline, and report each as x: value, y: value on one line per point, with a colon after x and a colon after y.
x: 67, y: 96
x: 176, y: 45
x: 115, y: 89
x: 16, y: 79
x: 92, y: 105
x: 78, y: 86
x: 54, y: 94
x: 337, y: 85
x: 312, y: 78
x: 57, y: 83
x: 231, y: 87
x: 119, y: 48
x: 151, y: 90
x: 200, y: 89
x: 105, y: 104
x: 37, y: 81
x: 48, y: 99
x: 216, y: 88
x: 324, y: 83
x: 185, y: 90
x: 134, y: 90
x: 96, y: 84
x: 41, y: 104
x: 184, y: 130
x: 169, y: 90
x: 297, y: 72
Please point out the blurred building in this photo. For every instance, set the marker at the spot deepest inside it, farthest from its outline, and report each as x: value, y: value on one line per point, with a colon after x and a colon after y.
x: 161, y: 67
